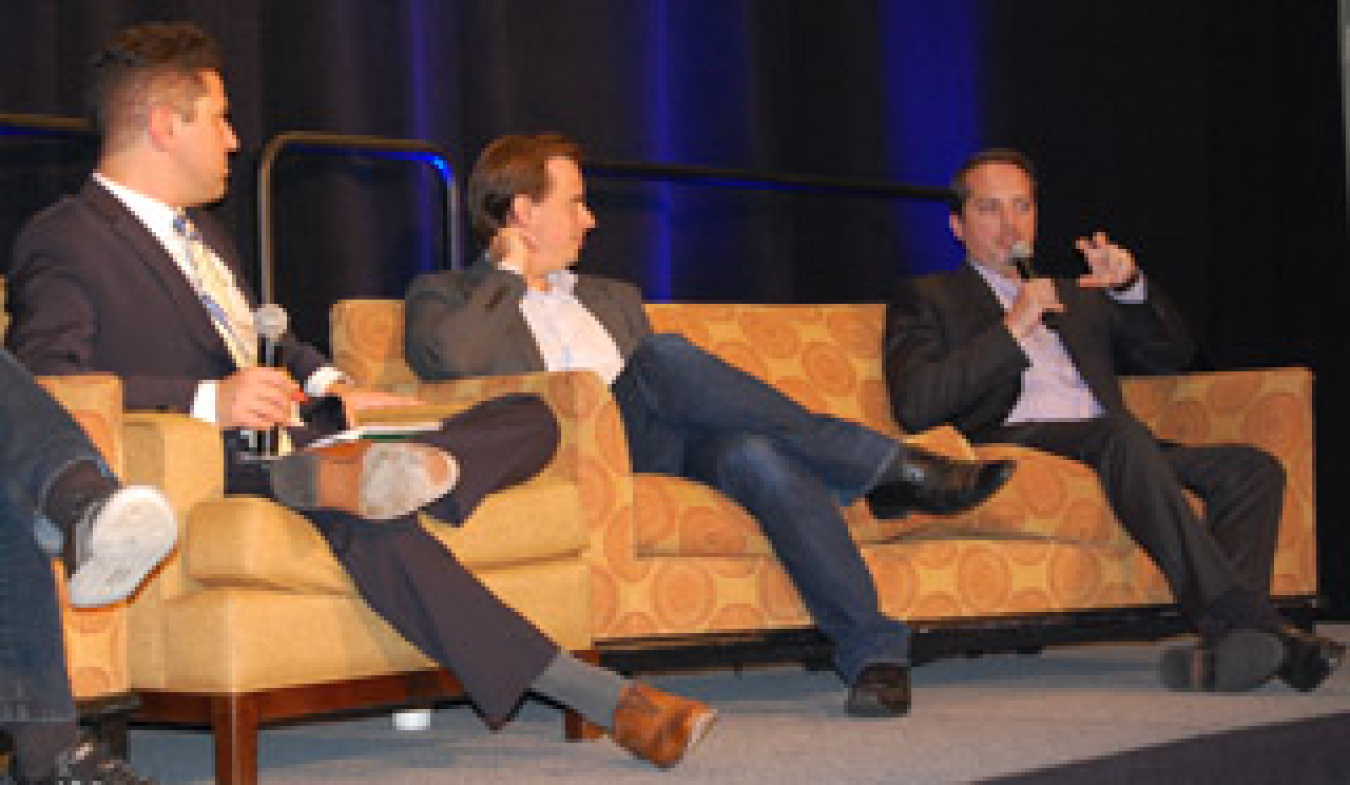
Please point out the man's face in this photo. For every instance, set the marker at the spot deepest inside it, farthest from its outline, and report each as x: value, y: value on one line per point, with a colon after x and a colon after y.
x: 1000, y: 211
x: 200, y: 147
x: 558, y: 223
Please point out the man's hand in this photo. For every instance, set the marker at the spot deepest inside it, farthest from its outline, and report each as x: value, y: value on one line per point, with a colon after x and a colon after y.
x: 1037, y: 298
x: 1111, y: 266
x: 256, y: 397
x: 510, y: 250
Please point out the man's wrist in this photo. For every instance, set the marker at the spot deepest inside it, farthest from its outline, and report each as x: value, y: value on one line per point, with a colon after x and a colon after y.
x: 1128, y: 283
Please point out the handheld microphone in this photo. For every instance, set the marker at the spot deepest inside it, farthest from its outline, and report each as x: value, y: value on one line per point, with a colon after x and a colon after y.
x: 270, y: 322
x: 1021, y: 256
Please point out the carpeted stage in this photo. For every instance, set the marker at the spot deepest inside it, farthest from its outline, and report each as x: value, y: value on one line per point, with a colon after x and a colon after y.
x: 1093, y: 714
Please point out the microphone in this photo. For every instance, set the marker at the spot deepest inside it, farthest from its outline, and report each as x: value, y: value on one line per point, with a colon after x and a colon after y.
x: 1021, y: 256
x: 269, y: 321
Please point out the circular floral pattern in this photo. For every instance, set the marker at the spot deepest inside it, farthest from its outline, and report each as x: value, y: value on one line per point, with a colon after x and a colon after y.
x: 828, y: 369
x: 983, y: 579
x: 684, y: 594
x: 770, y: 334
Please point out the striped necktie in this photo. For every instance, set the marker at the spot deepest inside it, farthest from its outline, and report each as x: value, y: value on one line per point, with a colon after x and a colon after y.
x: 219, y: 294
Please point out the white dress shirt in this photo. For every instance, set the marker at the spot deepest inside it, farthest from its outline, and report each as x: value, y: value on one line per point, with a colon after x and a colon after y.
x: 567, y: 333
x: 1052, y: 387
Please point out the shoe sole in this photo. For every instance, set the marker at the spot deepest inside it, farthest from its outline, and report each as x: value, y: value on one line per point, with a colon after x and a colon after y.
x: 706, y: 719
x: 1242, y: 661
x: 376, y: 481
x: 128, y: 538
x: 870, y: 707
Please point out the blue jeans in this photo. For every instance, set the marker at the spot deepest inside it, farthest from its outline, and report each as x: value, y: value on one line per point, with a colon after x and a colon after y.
x: 38, y: 440
x: 688, y: 413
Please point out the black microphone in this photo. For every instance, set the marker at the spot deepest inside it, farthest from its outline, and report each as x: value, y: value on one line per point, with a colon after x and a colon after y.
x: 1021, y: 256
x: 270, y: 323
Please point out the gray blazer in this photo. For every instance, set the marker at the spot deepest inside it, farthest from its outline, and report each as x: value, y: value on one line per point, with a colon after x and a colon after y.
x: 462, y: 323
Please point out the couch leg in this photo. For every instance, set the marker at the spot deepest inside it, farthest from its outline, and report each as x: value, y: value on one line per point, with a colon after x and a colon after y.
x: 234, y: 726
x: 575, y: 727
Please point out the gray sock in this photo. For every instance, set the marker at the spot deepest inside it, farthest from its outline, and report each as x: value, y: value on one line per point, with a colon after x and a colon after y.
x: 589, y: 690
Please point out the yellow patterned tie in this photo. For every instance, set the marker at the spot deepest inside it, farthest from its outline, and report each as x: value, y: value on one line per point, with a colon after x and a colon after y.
x: 224, y: 301
x: 220, y: 295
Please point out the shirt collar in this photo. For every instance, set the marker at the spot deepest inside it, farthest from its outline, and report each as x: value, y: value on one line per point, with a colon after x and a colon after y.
x: 155, y: 215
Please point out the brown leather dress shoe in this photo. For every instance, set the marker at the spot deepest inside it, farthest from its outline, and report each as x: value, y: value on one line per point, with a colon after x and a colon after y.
x: 657, y: 726
x: 373, y: 480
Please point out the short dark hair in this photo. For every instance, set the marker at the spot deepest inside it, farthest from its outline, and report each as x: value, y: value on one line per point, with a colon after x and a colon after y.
x: 960, y: 190
x: 163, y: 57
x: 512, y: 166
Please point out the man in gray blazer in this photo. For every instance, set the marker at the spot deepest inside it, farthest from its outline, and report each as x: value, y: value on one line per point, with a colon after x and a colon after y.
x: 685, y: 412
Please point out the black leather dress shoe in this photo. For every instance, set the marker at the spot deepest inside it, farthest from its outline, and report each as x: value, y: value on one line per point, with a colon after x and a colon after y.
x: 1237, y: 661
x: 881, y: 690
x: 927, y: 482
x: 1308, y: 659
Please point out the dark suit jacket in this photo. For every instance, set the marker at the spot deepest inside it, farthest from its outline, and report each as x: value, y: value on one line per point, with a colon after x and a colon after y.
x: 468, y: 323
x: 91, y: 290
x: 949, y: 358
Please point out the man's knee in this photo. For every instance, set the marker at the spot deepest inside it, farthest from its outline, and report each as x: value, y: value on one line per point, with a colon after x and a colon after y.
x: 750, y: 460
x: 1260, y: 468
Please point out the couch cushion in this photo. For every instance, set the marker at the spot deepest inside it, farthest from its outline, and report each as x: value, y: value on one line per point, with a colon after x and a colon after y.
x: 246, y: 541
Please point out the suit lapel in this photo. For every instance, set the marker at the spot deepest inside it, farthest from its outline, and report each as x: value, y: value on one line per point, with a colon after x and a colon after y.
x: 147, y: 251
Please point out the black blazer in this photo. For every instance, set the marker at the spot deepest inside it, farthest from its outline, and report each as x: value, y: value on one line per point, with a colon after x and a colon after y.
x: 949, y: 358
x: 92, y: 290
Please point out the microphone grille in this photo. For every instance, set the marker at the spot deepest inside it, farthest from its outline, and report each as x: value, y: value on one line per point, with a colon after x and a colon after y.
x: 270, y: 321
x: 1020, y: 250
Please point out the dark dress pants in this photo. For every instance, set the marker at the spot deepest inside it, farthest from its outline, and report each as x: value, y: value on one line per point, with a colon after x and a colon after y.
x: 418, y: 586
x: 689, y: 414
x: 38, y: 440
x: 1218, y: 567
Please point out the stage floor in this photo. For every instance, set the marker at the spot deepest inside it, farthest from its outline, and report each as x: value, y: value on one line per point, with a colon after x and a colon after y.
x: 973, y: 719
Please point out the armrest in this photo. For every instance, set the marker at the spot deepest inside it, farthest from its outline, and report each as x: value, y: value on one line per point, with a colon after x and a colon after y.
x: 182, y: 456
x: 1267, y: 408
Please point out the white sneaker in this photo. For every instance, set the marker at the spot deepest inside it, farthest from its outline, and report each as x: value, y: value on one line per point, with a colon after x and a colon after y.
x: 118, y: 543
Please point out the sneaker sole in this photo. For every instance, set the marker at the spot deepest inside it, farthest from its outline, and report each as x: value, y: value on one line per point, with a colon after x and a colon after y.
x: 129, y: 537
x: 1242, y: 661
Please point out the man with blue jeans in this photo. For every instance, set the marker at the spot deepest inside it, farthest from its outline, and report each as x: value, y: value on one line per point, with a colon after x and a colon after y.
x: 686, y: 412
x: 59, y: 499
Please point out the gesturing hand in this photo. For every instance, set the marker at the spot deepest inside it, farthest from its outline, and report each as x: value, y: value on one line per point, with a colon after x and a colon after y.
x: 1111, y: 266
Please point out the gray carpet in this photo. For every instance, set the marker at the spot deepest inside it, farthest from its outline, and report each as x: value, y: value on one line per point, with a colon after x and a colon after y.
x: 973, y: 718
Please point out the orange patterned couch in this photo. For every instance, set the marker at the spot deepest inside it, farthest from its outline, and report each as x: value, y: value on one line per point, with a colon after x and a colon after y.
x: 670, y: 557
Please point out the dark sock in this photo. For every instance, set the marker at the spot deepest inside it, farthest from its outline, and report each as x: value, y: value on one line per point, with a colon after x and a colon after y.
x: 74, y: 491
x: 1241, y: 608
x: 36, y: 745
x: 589, y: 690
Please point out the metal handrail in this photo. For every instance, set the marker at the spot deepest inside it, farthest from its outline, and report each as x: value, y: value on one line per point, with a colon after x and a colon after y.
x: 343, y: 144
x: 37, y: 125
x: 761, y: 181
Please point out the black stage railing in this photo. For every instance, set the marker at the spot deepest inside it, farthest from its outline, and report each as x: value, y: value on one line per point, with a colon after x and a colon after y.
x: 366, y: 146
x: 36, y: 125
x: 762, y: 181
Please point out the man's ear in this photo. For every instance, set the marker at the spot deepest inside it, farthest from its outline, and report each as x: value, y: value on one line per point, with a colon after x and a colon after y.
x: 521, y: 212
x: 954, y: 221
x: 161, y: 122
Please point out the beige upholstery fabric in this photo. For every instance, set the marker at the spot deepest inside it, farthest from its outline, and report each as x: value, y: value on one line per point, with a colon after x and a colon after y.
x: 95, y: 638
x: 254, y: 600
x: 671, y: 557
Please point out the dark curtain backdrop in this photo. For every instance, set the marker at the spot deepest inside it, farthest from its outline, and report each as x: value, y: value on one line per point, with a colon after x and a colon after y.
x: 1207, y: 136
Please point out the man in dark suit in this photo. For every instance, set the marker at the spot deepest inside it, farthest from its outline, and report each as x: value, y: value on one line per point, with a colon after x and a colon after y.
x: 130, y: 277
x: 685, y: 412
x: 1010, y: 357
x: 59, y: 498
